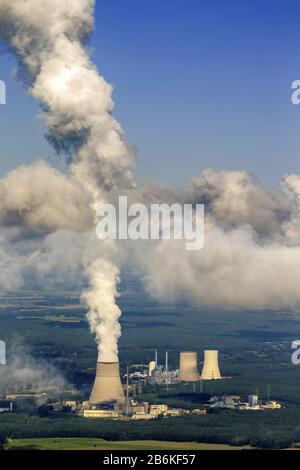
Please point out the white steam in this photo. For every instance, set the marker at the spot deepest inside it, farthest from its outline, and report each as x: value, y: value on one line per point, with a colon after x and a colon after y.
x: 38, y: 197
x: 26, y: 372
x: 100, y: 297
x: 251, y: 255
x: 48, y: 38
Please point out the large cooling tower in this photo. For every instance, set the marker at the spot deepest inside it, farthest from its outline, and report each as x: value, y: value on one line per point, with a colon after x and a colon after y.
x: 188, y: 367
x: 210, y: 369
x: 107, y: 385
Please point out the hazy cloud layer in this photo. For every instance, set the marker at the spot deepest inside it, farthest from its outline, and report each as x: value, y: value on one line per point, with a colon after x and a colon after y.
x: 38, y: 197
x: 249, y: 260
x: 24, y: 371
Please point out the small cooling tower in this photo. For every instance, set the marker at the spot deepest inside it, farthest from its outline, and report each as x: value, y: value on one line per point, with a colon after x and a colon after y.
x: 107, y: 385
x: 188, y: 367
x: 210, y: 369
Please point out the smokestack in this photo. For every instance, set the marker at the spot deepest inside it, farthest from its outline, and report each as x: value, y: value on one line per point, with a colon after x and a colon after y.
x: 188, y: 367
x: 167, y: 361
x: 107, y: 385
x: 210, y: 369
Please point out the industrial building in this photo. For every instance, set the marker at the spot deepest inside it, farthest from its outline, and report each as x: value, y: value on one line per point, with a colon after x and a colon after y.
x: 234, y: 402
x: 151, y: 368
x: 157, y: 410
x: 226, y: 401
x: 254, y: 404
x: 100, y: 413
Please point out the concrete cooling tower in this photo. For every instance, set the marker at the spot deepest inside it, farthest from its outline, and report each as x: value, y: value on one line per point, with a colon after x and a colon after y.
x: 107, y: 385
x: 188, y: 367
x: 210, y: 369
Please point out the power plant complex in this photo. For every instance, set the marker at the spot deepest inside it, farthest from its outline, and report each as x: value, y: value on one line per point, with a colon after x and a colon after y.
x: 107, y: 386
x: 109, y: 399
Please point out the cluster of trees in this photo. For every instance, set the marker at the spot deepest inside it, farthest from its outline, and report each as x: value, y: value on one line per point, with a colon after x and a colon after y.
x: 261, y: 430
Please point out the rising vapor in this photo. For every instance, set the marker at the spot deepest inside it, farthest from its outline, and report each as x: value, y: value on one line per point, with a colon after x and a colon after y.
x: 251, y: 255
x: 49, y: 39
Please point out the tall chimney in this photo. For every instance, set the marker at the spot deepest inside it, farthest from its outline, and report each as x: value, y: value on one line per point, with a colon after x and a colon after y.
x: 210, y: 369
x: 188, y: 367
x: 107, y: 385
x: 167, y: 361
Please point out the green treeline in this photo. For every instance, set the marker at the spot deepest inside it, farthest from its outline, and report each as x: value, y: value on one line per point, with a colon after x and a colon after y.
x: 270, y: 429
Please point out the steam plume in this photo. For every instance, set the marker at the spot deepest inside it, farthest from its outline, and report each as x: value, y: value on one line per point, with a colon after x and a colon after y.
x: 49, y: 40
x: 38, y: 197
x: 100, y: 297
x: 251, y: 255
x: 24, y: 371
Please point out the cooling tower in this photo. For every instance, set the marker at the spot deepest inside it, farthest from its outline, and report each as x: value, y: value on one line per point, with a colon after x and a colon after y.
x: 210, y: 369
x: 188, y: 367
x: 107, y: 385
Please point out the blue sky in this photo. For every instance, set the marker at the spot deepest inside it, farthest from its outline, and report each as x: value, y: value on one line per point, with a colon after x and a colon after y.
x: 197, y: 83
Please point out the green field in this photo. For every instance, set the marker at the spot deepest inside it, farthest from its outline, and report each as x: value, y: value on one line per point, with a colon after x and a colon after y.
x: 101, y: 444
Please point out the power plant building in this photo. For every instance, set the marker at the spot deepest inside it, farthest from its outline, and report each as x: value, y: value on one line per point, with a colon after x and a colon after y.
x: 107, y: 386
x: 211, y: 369
x: 188, y: 371
x: 151, y: 368
x: 253, y: 400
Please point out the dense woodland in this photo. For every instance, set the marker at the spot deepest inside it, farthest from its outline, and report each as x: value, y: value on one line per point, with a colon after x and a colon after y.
x: 265, y: 430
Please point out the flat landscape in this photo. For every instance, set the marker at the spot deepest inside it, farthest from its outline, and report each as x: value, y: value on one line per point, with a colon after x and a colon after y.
x: 100, y: 444
x: 47, y: 331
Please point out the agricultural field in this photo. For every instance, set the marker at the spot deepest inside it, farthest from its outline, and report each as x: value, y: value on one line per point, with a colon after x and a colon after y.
x: 100, y: 444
